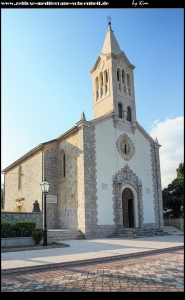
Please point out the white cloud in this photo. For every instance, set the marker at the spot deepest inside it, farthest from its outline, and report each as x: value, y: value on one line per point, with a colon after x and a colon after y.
x: 170, y: 134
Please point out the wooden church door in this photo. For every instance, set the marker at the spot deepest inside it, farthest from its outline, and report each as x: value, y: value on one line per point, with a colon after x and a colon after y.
x: 128, y: 208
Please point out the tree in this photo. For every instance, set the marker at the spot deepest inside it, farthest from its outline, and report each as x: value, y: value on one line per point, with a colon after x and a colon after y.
x: 173, y: 197
x: 180, y: 170
x: 2, y: 195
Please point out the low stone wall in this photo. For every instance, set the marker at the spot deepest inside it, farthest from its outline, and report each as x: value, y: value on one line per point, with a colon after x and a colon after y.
x: 23, y: 241
x: 179, y: 223
x: 36, y: 217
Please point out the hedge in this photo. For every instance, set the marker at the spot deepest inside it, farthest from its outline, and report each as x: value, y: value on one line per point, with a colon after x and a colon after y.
x: 19, y: 229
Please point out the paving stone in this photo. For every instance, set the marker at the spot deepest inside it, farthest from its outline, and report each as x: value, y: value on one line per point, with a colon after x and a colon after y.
x: 104, y: 276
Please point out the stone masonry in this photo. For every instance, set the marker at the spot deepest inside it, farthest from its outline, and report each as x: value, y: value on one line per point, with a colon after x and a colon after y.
x: 131, y: 179
x: 30, y: 187
x: 158, y: 204
x: 28, y: 217
x: 68, y: 194
x: 90, y: 182
x: 92, y: 229
x: 50, y: 173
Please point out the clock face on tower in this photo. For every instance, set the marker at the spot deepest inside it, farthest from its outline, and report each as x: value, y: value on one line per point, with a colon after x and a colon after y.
x: 125, y: 147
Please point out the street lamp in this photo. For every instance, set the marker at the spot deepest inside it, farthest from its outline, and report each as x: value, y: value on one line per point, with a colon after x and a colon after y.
x: 45, y: 188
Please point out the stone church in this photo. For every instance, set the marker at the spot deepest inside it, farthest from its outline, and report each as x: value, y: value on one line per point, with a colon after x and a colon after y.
x: 104, y: 174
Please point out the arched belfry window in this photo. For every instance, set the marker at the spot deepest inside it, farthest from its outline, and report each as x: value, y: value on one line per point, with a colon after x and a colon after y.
x: 123, y: 80
x: 97, y: 87
x: 120, y: 110
x: 106, y: 75
x: 118, y: 74
x: 118, y: 79
x: 128, y: 114
x: 106, y: 80
x: 123, y: 76
x: 101, y: 83
x: 128, y: 84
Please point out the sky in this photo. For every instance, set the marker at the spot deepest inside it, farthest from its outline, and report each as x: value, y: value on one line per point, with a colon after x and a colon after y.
x: 46, y: 58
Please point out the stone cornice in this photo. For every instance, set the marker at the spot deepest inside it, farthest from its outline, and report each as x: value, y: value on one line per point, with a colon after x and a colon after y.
x: 18, y: 161
x: 102, y: 118
x: 40, y: 147
x: 96, y: 64
x: 83, y: 123
x: 65, y: 134
x: 122, y: 54
x: 147, y: 136
x: 114, y: 56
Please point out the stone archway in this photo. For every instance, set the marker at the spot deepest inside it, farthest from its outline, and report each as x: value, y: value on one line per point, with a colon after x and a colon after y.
x: 126, y: 178
x: 128, y: 208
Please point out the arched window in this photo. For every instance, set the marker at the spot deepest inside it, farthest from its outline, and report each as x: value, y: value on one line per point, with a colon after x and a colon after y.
x: 128, y: 84
x: 123, y: 80
x: 106, y: 81
x: 64, y: 166
x: 123, y: 76
x: 20, y: 177
x: 106, y: 76
x: 128, y: 114
x: 118, y: 79
x: 97, y: 88
x: 62, y: 163
x: 118, y: 74
x: 120, y: 110
x: 101, y: 82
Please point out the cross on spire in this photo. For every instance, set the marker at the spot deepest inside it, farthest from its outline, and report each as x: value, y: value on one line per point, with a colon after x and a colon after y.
x: 109, y: 19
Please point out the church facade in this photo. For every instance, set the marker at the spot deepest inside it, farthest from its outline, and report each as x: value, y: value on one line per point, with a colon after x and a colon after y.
x: 104, y: 174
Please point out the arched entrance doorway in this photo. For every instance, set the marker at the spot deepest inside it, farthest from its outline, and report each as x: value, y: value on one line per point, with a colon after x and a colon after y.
x: 128, y: 208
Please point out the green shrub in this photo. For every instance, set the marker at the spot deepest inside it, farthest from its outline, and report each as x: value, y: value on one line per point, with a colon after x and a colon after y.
x: 15, y: 231
x: 19, y: 229
x: 25, y: 228
x: 37, y: 235
x: 6, y: 229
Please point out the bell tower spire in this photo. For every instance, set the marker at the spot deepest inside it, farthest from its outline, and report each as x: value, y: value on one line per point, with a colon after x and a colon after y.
x: 113, y: 82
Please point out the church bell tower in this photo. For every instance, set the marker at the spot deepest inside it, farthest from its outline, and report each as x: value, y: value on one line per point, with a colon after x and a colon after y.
x: 113, y: 83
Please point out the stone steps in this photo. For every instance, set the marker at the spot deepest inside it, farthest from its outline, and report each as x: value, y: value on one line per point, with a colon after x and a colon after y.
x: 137, y: 232
x: 65, y: 234
x: 171, y: 228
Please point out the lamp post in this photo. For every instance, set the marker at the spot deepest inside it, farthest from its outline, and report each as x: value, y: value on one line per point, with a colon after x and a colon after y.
x: 45, y: 188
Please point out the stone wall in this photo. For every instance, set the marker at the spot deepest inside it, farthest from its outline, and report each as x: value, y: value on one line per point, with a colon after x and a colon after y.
x: 51, y: 215
x: 68, y: 184
x: 29, y: 217
x: 158, y: 204
x: 102, y: 231
x: 81, y: 190
x: 51, y: 167
x: 51, y: 174
x: 179, y: 223
x: 30, y: 184
x: 90, y: 184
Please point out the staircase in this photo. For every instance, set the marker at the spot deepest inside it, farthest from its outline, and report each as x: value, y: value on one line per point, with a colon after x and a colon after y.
x: 65, y: 234
x: 172, y: 229
x: 137, y: 232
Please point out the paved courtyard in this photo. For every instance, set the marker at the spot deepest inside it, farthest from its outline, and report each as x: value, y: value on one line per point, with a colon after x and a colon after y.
x: 157, y: 272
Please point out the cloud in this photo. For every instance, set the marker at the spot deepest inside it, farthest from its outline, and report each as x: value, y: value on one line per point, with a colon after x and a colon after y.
x: 170, y: 134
